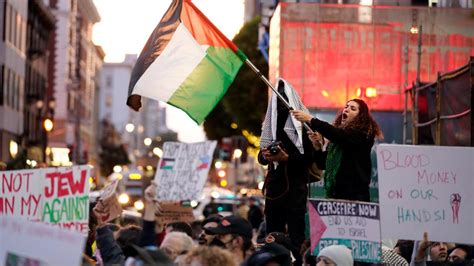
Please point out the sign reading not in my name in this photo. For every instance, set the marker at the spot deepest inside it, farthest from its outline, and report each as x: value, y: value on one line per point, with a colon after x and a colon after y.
x: 58, y: 196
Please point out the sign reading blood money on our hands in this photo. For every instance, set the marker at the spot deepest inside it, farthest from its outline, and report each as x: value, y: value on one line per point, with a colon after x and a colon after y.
x: 426, y: 189
x: 58, y: 196
x: 354, y: 224
x: 183, y: 170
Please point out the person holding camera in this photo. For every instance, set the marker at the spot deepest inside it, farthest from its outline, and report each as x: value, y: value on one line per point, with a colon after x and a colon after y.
x: 346, y: 160
x: 287, y: 150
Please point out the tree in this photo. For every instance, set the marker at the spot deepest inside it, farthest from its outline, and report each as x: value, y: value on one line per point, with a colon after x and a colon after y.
x: 245, y: 102
x: 112, y: 151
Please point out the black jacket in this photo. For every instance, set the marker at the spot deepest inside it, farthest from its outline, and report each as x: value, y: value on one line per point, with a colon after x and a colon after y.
x: 354, y: 173
x: 292, y: 174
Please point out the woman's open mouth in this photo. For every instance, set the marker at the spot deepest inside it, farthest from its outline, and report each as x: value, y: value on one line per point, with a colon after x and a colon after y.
x: 344, y: 118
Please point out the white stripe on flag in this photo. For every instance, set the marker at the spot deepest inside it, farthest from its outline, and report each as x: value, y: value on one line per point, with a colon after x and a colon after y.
x: 180, y: 57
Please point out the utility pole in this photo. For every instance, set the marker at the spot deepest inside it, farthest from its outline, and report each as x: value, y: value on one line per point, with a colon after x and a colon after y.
x: 77, y: 126
x: 418, y: 83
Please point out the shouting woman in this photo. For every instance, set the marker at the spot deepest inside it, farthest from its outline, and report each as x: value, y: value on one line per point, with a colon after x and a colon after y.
x: 347, y: 158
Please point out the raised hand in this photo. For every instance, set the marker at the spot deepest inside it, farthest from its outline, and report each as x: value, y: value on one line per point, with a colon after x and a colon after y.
x: 301, y: 116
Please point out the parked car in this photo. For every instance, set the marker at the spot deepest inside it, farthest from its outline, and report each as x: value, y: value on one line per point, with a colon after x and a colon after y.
x: 223, y: 200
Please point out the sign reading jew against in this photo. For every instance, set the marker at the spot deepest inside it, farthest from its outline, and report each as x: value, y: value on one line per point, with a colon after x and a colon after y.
x: 58, y: 196
x: 354, y: 224
x: 426, y: 189
x: 182, y: 170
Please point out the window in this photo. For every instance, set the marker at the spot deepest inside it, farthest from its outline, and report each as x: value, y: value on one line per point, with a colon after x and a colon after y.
x: 22, y: 45
x: 108, y: 101
x: 15, y: 89
x: 108, y: 82
x: 6, y: 23
x: 12, y: 26
x: 2, y: 84
x: 7, y: 86
x: 18, y: 29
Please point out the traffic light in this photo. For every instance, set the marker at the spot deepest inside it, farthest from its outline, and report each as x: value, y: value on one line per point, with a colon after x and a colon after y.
x: 221, y: 173
x: 225, y: 149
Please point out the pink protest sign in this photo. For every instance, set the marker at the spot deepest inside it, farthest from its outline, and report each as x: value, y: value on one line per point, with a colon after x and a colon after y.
x: 58, y: 196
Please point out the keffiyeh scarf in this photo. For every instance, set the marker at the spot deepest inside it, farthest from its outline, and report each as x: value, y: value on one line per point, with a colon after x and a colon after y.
x: 293, y: 128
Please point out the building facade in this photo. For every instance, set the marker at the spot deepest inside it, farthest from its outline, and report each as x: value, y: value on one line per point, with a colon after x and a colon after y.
x: 331, y: 53
x: 12, y: 76
x: 39, y: 103
x: 73, y: 80
x: 149, y: 122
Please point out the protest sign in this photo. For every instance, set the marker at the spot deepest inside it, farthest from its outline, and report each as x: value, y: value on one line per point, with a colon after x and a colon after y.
x: 350, y: 223
x: 182, y: 170
x: 175, y: 212
x: 58, y: 196
x: 426, y: 189
x: 24, y: 242
x: 110, y: 207
x: 21, y: 193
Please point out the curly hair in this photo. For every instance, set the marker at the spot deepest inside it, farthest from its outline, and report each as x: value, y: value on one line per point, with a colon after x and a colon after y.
x: 209, y: 256
x: 363, y: 122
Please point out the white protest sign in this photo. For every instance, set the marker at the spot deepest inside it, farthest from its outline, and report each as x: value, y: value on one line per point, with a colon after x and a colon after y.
x: 354, y: 224
x: 426, y: 189
x: 23, y: 242
x: 58, y: 196
x: 182, y: 170
x: 21, y: 193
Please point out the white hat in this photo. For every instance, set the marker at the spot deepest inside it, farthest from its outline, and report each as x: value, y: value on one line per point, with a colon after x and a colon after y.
x: 340, y: 254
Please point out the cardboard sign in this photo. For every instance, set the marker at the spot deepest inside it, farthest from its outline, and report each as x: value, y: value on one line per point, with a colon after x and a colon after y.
x: 58, y: 196
x: 426, y: 189
x: 23, y: 242
x: 351, y: 223
x: 110, y: 206
x: 175, y: 212
x: 182, y: 170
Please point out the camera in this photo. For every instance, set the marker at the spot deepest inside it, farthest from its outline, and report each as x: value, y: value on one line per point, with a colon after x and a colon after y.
x: 274, y: 147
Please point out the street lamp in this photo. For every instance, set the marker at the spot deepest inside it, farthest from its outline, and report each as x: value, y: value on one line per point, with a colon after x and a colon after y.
x: 158, y: 152
x: 48, y: 124
x: 130, y: 127
x: 237, y: 153
x: 236, y: 157
x: 147, y: 141
x: 13, y: 148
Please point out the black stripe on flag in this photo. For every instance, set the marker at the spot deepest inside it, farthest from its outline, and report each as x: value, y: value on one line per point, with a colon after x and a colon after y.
x: 153, y: 48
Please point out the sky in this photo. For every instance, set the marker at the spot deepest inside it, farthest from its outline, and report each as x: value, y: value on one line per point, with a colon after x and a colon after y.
x: 126, y: 25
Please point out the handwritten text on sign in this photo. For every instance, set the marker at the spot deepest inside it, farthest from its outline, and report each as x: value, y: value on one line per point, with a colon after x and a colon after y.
x: 426, y: 188
x: 182, y: 171
x: 350, y: 223
x: 52, y: 195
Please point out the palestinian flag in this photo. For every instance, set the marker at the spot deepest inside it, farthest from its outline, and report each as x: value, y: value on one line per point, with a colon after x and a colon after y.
x: 167, y: 164
x: 187, y: 62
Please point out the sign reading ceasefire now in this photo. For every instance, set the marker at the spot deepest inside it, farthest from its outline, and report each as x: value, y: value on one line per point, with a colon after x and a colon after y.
x: 426, y: 189
x: 57, y: 196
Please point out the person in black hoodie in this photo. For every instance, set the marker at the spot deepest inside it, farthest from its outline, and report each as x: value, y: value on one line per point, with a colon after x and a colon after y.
x: 347, y: 158
x: 285, y: 186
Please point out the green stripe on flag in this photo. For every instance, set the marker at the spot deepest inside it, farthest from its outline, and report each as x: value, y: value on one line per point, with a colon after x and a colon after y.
x: 206, y: 85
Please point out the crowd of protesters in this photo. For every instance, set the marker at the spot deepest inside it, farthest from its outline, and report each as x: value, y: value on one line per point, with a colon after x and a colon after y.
x: 270, y: 232
x: 232, y: 240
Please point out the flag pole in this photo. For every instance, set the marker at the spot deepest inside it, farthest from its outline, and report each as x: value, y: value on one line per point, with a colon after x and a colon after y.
x: 280, y: 97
